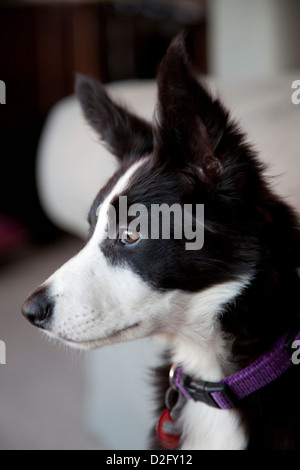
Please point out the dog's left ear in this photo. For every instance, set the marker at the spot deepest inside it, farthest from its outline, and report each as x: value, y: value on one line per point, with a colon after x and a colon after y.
x: 125, y: 134
x: 190, y: 122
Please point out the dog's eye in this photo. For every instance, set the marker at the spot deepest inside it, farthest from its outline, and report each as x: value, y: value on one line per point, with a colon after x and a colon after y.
x: 129, y: 237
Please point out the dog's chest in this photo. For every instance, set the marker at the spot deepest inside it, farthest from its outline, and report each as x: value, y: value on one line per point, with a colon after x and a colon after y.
x: 204, y: 427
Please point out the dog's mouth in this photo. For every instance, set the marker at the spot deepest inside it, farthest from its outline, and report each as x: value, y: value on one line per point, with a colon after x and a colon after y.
x: 94, y: 343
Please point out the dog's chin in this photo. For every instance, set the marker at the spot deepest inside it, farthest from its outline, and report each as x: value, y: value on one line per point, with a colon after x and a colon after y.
x: 119, y: 336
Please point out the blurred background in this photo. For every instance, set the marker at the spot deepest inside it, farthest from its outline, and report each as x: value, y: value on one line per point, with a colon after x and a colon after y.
x: 50, y: 397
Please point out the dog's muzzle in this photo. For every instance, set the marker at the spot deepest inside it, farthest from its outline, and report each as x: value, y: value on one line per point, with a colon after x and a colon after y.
x: 38, y: 308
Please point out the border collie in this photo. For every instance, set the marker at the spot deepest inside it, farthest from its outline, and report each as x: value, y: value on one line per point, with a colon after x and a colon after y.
x: 228, y: 311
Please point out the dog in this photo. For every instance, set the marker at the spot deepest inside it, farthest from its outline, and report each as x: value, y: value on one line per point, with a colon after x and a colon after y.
x: 228, y: 311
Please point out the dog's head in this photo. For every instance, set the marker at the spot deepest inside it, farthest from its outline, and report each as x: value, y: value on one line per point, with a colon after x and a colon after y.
x: 130, y: 284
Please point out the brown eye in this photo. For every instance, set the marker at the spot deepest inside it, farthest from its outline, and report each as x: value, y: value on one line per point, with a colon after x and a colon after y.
x: 129, y: 237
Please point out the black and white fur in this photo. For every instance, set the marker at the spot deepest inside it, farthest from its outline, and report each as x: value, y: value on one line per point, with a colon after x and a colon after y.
x: 217, y: 308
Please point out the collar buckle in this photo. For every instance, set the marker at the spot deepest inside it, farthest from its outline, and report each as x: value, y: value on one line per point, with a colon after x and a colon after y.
x: 215, y: 394
x: 210, y: 392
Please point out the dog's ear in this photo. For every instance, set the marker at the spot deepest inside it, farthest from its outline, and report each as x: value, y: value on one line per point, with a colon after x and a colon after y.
x: 190, y: 122
x: 125, y: 134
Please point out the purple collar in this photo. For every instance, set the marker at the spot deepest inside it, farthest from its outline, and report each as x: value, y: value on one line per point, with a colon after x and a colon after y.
x: 228, y: 392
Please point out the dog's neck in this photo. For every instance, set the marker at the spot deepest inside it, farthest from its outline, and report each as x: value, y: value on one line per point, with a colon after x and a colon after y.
x: 205, y: 427
x: 203, y: 351
x: 203, y: 344
x: 206, y: 354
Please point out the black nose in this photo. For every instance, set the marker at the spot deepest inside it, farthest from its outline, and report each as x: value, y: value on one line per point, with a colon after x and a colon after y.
x: 38, y: 308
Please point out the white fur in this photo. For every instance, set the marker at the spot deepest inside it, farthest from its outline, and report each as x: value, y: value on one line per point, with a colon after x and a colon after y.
x: 199, y: 348
x: 97, y: 303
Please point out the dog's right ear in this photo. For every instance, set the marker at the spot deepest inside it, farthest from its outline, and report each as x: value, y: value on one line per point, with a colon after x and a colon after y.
x: 125, y: 134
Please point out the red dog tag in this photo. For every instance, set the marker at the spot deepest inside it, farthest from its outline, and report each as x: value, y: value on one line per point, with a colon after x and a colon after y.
x: 168, y: 431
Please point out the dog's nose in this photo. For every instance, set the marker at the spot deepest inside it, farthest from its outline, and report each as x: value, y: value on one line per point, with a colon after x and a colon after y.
x: 38, y: 308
